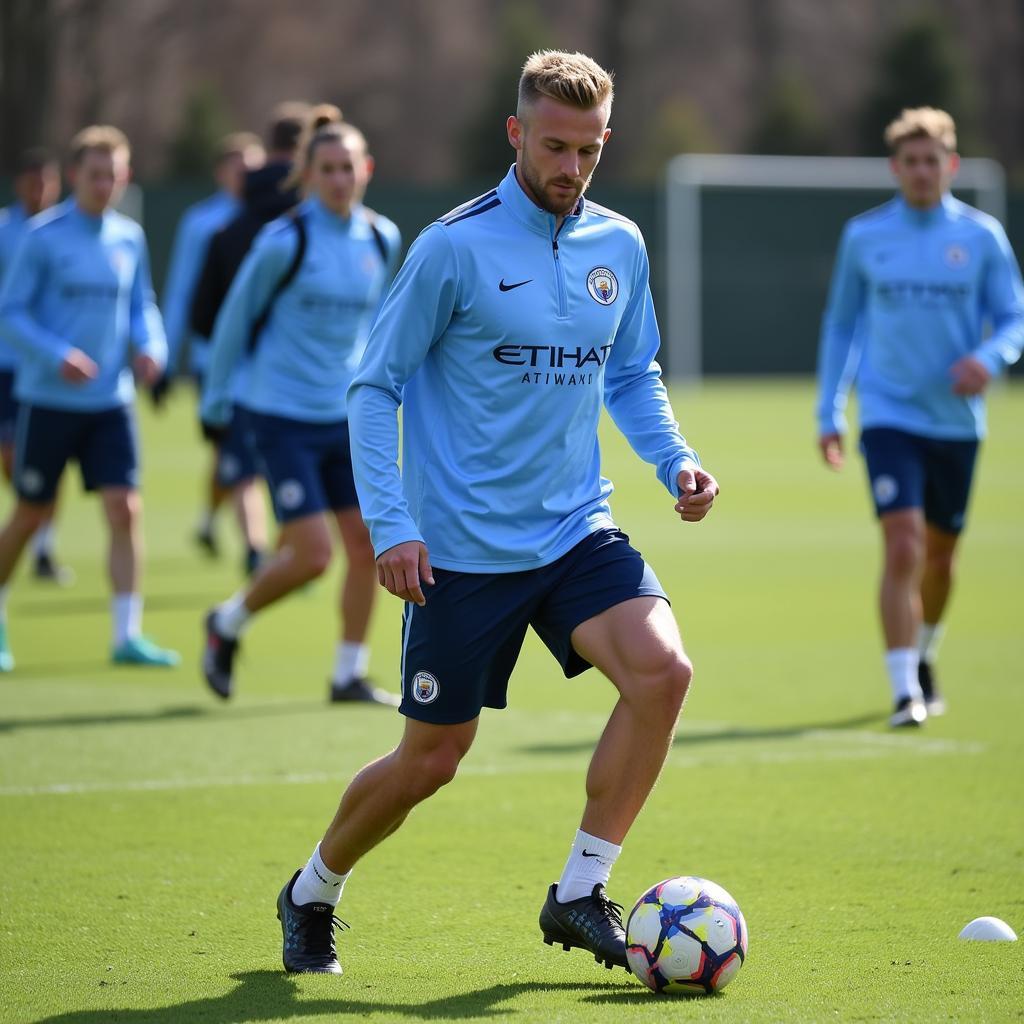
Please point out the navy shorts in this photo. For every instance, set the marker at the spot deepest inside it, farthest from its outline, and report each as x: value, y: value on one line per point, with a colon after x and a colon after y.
x: 237, y: 459
x: 910, y: 471
x: 458, y: 650
x: 8, y: 407
x: 104, y: 444
x: 308, y: 466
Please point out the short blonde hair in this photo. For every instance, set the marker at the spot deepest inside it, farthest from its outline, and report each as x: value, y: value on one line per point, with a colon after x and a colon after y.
x: 103, y: 138
x: 921, y: 123
x: 572, y: 78
x: 237, y: 144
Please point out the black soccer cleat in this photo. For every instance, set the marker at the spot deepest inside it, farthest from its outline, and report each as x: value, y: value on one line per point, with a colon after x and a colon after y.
x: 933, y: 700
x: 909, y: 711
x: 593, y: 923
x: 218, y: 658
x: 48, y: 570
x: 206, y: 541
x: 308, y: 933
x: 362, y: 691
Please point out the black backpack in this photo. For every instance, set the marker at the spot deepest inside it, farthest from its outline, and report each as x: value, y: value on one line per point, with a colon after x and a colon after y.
x: 295, y: 216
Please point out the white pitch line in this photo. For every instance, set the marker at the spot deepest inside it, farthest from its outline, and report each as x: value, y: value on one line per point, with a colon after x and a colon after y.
x: 865, y: 746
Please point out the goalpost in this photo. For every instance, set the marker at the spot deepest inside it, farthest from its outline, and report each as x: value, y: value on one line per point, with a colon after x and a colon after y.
x: 801, y: 204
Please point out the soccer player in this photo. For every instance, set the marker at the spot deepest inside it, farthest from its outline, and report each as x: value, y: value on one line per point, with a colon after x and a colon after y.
x: 75, y: 301
x: 306, y: 295
x: 238, y: 153
x: 37, y: 188
x: 513, y: 319
x: 915, y: 285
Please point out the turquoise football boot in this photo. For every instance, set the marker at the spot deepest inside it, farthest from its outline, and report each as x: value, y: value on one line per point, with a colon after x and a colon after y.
x: 140, y: 650
x: 6, y: 658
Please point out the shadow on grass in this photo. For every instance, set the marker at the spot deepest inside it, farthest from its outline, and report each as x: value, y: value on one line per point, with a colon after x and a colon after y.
x: 731, y: 735
x: 159, y: 716
x: 272, y: 995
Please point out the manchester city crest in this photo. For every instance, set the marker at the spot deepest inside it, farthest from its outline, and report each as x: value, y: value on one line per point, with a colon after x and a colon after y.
x: 603, y: 286
x: 425, y: 688
x: 956, y: 256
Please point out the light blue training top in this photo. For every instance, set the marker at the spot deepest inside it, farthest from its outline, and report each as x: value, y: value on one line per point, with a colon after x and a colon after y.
x: 307, y: 353
x: 912, y: 292
x: 79, y: 281
x: 501, y: 341
x: 13, y: 220
x: 199, y: 223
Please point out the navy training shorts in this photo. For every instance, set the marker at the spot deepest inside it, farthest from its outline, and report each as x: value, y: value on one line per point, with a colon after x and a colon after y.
x: 237, y: 458
x: 104, y: 444
x: 8, y: 407
x: 459, y: 650
x: 308, y: 466
x: 910, y: 471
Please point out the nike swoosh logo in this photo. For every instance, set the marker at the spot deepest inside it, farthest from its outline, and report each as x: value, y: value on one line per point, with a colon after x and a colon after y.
x: 585, y: 854
x: 507, y: 288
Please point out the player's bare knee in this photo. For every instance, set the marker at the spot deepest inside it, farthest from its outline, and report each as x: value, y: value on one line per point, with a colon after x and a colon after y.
x: 28, y: 516
x: 316, y: 560
x: 123, y: 511
x: 904, y: 553
x: 940, y: 564
x: 432, y: 769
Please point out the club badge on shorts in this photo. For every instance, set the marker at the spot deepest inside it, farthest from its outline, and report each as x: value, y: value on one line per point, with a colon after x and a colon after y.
x: 603, y: 286
x: 425, y: 688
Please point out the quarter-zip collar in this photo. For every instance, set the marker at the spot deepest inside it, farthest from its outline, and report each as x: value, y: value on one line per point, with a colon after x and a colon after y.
x: 929, y: 217
x: 525, y: 210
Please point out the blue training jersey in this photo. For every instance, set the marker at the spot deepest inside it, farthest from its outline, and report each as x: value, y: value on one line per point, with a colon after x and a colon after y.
x: 912, y: 292
x: 82, y: 282
x: 13, y: 220
x: 199, y: 223
x: 307, y: 353
x: 501, y: 338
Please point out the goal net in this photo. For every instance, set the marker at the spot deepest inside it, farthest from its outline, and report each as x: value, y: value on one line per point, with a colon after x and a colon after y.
x: 750, y: 242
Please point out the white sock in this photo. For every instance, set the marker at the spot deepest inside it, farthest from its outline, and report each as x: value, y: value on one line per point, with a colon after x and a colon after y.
x: 232, y: 616
x: 42, y: 542
x: 901, y: 664
x: 351, y: 661
x: 127, y: 612
x: 929, y: 636
x: 590, y: 862
x: 317, y: 883
x: 4, y: 591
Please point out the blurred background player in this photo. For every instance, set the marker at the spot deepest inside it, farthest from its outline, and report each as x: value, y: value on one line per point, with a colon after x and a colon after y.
x: 266, y: 196
x: 37, y: 188
x: 306, y: 295
x: 75, y: 302
x: 238, y: 153
x: 916, y: 284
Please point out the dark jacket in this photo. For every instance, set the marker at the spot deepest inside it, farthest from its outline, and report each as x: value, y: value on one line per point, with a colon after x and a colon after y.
x: 264, y: 201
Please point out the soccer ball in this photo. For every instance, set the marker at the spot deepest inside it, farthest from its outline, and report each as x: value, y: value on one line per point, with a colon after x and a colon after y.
x: 686, y: 935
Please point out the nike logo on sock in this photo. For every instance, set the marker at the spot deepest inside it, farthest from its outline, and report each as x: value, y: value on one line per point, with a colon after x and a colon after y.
x: 585, y: 854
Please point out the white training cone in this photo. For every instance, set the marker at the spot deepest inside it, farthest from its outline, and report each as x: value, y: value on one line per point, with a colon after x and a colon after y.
x: 988, y: 929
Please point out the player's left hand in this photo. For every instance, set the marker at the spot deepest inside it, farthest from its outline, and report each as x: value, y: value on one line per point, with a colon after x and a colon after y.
x: 697, y: 492
x: 147, y: 370
x: 970, y: 376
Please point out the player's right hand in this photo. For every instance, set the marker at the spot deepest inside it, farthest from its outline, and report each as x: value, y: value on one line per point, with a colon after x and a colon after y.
x: 403, y: 569
x: 76, y: 367
x: 831, y: 446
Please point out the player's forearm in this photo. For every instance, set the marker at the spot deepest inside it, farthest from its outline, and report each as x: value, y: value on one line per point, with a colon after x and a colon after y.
x: 22, y: 332
x: 642, y: 411
x: 373, y: 432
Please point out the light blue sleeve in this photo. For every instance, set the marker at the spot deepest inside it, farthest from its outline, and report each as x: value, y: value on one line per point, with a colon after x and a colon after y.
x: 1003, y: 298
x: 146, y: 326
x: 634, y: 393
x: 261, y: 271
x: 414, y: 316
x: 181, y: 279
x: 24, y: 282
x: 837, y: 354
x: 393, y: 244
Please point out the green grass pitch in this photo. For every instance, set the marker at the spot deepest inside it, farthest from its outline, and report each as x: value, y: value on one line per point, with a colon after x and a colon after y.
x: 145, y: 830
